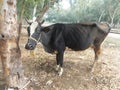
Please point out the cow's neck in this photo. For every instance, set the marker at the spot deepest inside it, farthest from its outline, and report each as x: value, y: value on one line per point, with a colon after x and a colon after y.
x: 46, y: 37
x: 46, y: 41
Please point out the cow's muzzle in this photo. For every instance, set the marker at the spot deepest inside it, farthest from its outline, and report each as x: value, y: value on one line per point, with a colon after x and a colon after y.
x: 29, y: 46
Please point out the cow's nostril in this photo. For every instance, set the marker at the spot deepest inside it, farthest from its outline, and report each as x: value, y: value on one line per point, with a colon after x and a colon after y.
x: 30, y: 45
x: 2, y: 35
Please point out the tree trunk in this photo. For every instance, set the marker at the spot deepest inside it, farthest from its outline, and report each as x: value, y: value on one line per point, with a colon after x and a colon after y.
x: 9, y: 45
x: 44, y: 9
x: 34, y: 12
x: 112, y: 16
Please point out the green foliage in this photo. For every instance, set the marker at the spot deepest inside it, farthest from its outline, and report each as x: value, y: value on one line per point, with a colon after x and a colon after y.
x: 79, y: 11
x: 86, y: 10
x: 29, y: 7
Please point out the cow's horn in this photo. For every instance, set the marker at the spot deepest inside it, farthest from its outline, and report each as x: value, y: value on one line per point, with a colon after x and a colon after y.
x: 26, y: 19
x: 42, y: 21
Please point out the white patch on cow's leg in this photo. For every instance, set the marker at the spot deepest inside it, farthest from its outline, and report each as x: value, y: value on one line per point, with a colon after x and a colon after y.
x: 60, y: 72
x: 57, y: 67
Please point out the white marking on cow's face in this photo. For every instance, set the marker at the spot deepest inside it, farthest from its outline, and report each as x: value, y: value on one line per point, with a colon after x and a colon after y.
x: 33, y: 26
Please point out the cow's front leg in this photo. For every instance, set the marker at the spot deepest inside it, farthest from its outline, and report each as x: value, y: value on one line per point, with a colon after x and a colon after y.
x: 59, y: 58
x: 60, y: 72
x: 58, y: 63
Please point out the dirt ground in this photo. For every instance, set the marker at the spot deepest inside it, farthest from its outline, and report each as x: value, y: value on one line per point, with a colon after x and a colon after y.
x: 77, y: 73
x: 77, y: 67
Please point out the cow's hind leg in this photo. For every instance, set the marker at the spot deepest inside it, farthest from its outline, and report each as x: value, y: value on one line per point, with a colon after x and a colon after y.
x: 97, y: 50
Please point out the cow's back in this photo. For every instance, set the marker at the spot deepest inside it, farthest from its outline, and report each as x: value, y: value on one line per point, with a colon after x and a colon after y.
x: 81, y: 36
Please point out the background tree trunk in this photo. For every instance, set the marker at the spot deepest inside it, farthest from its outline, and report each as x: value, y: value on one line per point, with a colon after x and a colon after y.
x: 34, y: 12
x: 9, y: 45
x: 44, y: 9
x: 101, y: 16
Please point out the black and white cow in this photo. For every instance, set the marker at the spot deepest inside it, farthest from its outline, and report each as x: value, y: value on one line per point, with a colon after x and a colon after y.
x: 77, y: 36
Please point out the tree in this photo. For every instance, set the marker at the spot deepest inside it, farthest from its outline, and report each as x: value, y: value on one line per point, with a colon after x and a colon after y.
x: 112, y: 10
x: 34, y: 8
x: 9, y: 45
x: 87, y: 11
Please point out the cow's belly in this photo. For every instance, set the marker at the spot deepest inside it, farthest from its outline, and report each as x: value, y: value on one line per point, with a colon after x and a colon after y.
x: 78, y: 41
x: 78, y: 47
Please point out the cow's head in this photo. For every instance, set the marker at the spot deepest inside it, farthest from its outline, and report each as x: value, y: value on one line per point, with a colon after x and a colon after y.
x: 35, y: 34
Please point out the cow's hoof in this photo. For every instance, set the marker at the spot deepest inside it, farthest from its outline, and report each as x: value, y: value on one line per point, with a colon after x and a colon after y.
x: 60, y: 72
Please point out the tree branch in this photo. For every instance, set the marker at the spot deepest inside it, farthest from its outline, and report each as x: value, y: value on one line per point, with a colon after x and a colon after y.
x: 45, y: 8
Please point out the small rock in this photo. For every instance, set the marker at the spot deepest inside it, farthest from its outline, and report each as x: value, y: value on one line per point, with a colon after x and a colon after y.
x: 49, y: 82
